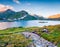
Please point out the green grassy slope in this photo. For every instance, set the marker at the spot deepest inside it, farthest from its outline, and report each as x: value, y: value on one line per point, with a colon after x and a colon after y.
x: 53, y: 35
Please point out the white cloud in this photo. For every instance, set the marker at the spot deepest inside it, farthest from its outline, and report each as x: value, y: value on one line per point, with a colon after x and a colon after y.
x: 29, y: 4
x: 17, y: 1
x: 5, y: 7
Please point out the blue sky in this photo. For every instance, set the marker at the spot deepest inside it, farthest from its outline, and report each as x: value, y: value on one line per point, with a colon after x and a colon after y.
x: 40, y: 7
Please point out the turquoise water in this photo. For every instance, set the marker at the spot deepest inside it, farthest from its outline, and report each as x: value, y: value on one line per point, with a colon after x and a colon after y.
x: 31, y: 23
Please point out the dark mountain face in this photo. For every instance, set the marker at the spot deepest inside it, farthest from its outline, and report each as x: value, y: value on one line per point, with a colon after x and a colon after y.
x: 6, y: 14
x: 22, y: 15
x: 23, y: 12
x: 9, y: 11
x: 19, y: 15
x: 29, y: 17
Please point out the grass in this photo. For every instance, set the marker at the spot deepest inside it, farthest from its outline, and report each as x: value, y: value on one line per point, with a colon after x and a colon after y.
x: 12, y: 30
x: 14, y: 40
x: 53, y: 35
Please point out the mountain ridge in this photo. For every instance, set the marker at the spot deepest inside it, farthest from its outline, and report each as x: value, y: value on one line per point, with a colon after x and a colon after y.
x: 55, y: 16
x: 10, y: 15
x: 21, y: 15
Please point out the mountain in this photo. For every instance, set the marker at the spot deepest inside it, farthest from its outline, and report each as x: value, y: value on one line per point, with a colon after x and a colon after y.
x: 39, y: 17
x: 21, y: 15
x: 55, y: 16
x: 6, y: 14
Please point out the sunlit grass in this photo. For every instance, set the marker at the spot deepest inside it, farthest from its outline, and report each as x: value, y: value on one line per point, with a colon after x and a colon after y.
x: 53, y: 35
x: 17, y: 40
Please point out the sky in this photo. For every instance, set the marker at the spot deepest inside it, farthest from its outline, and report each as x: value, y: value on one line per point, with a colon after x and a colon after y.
x: 39, y: 7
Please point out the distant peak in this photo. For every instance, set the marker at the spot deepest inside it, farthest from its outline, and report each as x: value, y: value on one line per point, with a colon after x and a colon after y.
x: 54, y: 16
x: 9, y: 10
x: 23, y: 11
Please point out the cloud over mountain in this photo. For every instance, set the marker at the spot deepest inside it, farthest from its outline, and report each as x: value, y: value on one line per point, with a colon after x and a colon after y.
x: 5, y: 7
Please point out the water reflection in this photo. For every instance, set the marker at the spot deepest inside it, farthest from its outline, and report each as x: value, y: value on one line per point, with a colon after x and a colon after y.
x: 4, y: 25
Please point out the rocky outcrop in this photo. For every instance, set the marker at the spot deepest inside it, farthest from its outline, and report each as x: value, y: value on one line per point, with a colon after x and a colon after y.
x: 37, y: 40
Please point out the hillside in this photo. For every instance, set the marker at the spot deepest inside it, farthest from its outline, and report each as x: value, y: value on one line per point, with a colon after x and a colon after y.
x: 55, y: 16
x: 53, y: 35
x: 10, y: 15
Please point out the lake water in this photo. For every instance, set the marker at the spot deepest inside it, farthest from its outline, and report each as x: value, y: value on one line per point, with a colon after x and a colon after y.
x: 32, y: 23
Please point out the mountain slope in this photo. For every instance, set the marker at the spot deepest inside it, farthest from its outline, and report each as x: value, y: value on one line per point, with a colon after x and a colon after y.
x: 21, y: 15
x: 6, y: 14
x: 55, y: 16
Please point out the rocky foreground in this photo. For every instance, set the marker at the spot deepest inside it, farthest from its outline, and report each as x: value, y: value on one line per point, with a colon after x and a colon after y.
x: 37, y: 40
